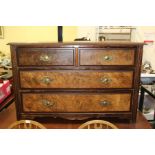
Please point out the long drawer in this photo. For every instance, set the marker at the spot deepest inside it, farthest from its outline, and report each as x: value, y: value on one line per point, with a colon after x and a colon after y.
x: 45, y: 56
x: 76, y: 102
x: 110, y: 56
x: 76, y: 79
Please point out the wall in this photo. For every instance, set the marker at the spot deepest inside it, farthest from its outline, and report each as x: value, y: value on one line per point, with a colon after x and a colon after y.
x: 69, y: 33
x: 34, y: 34
x: 146, y: 33
x: 87, y: 31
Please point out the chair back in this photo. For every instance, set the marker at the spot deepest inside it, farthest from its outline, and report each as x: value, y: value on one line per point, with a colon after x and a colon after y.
x: 97, y: 124
x: 26, y: 124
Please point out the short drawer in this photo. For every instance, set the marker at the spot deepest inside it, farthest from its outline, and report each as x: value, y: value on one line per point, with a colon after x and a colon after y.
x: 74, y: 102
x: 45, y: 56
x: 106, y: 56
x: 76, y: 79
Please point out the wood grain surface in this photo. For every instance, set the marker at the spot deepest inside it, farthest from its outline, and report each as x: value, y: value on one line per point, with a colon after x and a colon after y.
x: 98, y: 57
x: 75, y: 102
x: 45, y: 56
x: 76, y: 79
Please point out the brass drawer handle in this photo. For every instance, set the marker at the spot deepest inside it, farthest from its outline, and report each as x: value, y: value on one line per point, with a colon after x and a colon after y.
x: 105, y: 103
x: 47, y: 103
x: 44, y: 58
x: 105, y: 80
x: 107, y: 58
x: 46, y: 80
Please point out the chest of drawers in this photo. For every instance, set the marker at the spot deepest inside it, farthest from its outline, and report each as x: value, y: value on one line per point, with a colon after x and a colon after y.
x: 76, y: 80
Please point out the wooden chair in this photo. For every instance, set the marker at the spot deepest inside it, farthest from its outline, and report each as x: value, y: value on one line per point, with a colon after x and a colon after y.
x: 97, y: 124
x: 26, y: 124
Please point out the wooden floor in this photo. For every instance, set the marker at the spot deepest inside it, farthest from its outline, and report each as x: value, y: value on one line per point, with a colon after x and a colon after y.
x: 8, y: 116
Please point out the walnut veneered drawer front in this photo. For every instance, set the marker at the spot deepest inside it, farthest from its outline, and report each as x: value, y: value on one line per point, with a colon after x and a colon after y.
x: 76, y: 79
x: 45, y: 56
x: 74, y: 102
x: 107, y: 56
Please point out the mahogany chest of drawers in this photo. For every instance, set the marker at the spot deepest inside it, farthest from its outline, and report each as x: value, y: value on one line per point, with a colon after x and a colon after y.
x: 76, y: 80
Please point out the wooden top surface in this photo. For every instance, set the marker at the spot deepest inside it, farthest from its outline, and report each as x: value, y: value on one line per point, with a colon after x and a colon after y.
x: 76, y: 44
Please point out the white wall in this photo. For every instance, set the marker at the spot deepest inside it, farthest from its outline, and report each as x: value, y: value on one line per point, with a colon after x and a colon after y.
x: 146, y: 33
x: 87, y: 31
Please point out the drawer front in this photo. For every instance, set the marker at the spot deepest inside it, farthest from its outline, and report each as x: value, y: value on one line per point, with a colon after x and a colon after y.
x: 45, y: 56
x: 73, y: 102
x: 107, y: 57
x: 76, y: 79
